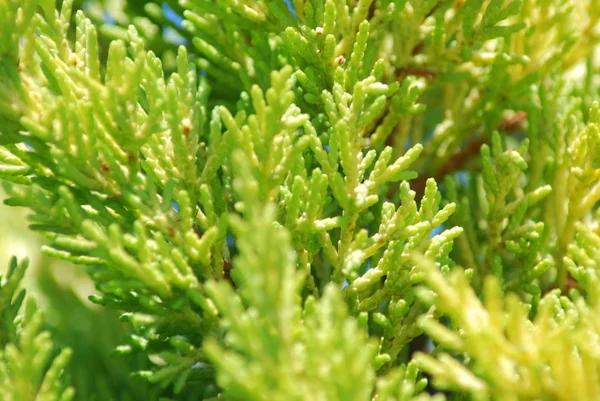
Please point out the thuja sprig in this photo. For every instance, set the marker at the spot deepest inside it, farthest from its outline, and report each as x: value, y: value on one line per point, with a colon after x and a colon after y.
x: 269, y: 345
x: 391, y: 278
x: 349, y: 115
x: 508, y: 354
x: 269, y: 137
x: 501, y: 209
x: 559, y: 42
x: 571, y: 171
x: 31, y: 366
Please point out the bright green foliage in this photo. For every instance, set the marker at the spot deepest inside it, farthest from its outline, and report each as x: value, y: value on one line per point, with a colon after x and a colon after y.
x: 553, y: 356
x: 279, y: 200
x: 31, y: 368
x: 280, y: 350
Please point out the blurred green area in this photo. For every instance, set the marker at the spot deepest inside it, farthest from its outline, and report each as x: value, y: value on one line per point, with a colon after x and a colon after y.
x: 61, y: 290
x: 18, y: 240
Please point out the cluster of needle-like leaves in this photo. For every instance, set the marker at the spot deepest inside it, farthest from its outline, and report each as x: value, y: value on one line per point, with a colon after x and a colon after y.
x: 305, y: 200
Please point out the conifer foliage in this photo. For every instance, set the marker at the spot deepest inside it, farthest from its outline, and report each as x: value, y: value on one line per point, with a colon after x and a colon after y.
x: 353, y: 200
